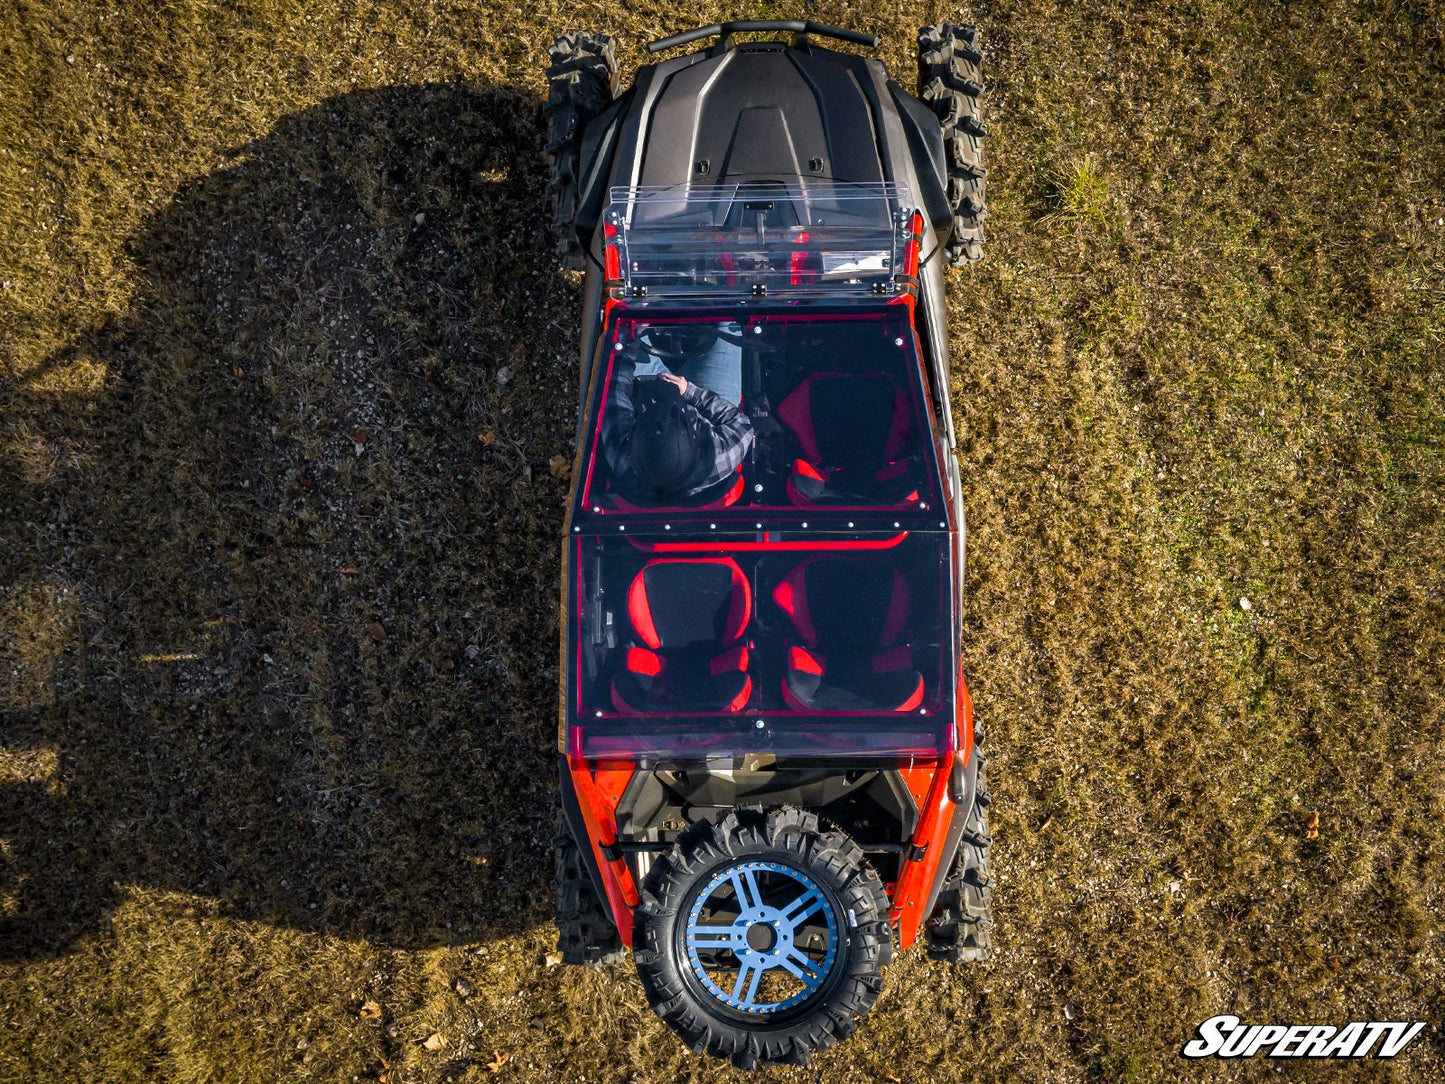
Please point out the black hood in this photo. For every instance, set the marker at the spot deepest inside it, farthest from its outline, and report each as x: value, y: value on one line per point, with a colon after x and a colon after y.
x: 764, y: 112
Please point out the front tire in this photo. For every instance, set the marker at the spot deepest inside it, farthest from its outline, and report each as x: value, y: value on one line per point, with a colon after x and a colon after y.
x: 950, y: 80
x: 763, y: 937
x: 581, y: 82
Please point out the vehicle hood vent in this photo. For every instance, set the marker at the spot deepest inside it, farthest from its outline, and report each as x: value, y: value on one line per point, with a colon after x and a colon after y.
x: 761, y: 143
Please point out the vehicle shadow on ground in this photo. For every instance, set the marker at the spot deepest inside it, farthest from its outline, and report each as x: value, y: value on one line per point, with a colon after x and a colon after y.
x: 294, y: 559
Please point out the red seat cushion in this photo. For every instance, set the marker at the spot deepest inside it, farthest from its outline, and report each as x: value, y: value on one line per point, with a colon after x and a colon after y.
x: 723, y: 495
x: 852, y: 429
x: 845, y: 603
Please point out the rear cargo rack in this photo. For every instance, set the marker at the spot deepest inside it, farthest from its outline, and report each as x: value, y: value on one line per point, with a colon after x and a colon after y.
x: 802, y: 238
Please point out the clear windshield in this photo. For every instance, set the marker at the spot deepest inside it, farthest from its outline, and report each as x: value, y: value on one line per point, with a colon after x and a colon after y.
x: 804, y: 238
x: 768, y: 415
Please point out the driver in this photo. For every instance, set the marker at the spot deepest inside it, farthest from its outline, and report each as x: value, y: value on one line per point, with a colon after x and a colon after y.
x: 669, y: 439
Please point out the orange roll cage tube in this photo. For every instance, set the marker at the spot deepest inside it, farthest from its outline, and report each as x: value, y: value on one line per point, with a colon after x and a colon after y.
x: 964, y: 716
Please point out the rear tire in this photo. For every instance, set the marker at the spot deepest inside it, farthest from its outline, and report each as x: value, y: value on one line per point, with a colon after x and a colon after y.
x: 958, y: 929
x: 950, y: 80
x: 585, y: 933
x: 784, y: 860
x: 581, y: 81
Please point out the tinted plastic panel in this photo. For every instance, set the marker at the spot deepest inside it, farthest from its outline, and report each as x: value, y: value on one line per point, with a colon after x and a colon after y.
x: 703, y: 646
x: 840, y: 431
x: 801, y: 239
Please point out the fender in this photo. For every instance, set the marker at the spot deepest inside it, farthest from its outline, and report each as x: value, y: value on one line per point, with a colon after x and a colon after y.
x: 572, y: 810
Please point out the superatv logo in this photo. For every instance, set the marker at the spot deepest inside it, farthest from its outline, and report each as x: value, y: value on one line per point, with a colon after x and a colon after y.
x: 1226, y: 1037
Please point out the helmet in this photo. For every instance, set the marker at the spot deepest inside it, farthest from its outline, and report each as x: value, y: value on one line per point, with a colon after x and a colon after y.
x: 664, y: 445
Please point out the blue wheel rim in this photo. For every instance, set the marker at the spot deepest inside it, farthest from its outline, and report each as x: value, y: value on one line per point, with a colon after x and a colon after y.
x: 790, y: 902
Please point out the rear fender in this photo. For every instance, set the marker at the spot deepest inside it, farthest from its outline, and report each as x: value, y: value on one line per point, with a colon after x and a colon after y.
x: 597, y: 793
x: 965, y: 783
x: 951, y: 783
x: 572, y: 810
x: 922, y: 861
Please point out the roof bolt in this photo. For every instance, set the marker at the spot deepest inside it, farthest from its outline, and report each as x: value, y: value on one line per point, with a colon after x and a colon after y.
x: 758, y: 725
x: 897, y: 342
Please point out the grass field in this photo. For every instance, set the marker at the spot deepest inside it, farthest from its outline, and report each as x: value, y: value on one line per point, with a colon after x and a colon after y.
x: 284, y: 357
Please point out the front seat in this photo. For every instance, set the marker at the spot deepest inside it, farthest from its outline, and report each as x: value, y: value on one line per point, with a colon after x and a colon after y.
x: 852, y: 429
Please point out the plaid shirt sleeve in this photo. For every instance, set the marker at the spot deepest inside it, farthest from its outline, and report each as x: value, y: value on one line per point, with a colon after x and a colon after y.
x: 727, y: 427
x: 619, y: 419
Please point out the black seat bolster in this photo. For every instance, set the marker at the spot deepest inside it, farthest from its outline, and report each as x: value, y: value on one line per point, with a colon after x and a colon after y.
x: 899, y: 690
x: 691, y: 681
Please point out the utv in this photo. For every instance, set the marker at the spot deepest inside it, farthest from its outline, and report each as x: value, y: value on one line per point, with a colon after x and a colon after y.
x: 770, y: 770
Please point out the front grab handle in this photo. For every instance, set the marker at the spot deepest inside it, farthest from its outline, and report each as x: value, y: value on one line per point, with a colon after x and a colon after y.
x: 794, y: 26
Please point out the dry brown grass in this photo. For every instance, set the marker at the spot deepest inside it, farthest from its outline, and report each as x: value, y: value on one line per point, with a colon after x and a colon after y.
x: 276, y: 736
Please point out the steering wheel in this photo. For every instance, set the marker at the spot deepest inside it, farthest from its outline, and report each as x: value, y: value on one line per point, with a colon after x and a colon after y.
x: 677, y: 343
x: 747, y: 343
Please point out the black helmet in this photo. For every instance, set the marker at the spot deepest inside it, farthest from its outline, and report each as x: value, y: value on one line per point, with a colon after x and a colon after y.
x: 664, y: 446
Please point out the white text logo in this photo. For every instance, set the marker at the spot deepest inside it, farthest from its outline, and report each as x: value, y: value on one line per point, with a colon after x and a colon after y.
x: 1226, y: 1037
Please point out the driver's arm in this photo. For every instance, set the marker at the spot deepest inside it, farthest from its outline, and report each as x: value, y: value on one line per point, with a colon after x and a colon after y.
x: 732, y: 431
x: 619, y: 418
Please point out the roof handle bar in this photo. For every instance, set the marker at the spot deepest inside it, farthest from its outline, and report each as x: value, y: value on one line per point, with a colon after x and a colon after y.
x: 792, y: 25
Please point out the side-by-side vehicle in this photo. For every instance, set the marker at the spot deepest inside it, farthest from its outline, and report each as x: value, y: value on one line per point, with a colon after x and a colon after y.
x: 770, y: 771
